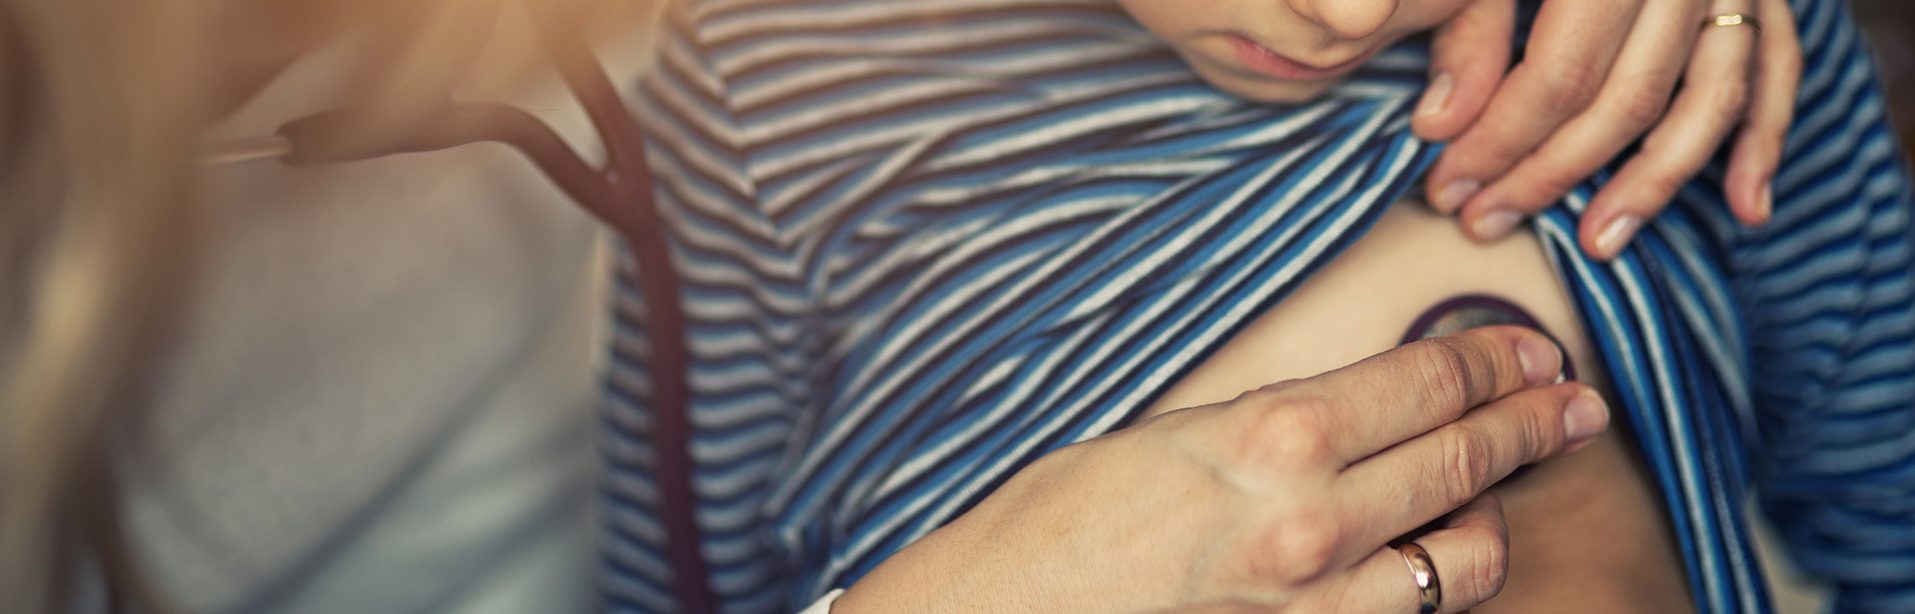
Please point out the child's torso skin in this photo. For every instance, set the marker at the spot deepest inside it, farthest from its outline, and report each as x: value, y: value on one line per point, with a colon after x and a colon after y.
x: 1588, y: 529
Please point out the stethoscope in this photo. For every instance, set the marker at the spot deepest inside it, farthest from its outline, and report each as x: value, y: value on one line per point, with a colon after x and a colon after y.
x: 619, y: 193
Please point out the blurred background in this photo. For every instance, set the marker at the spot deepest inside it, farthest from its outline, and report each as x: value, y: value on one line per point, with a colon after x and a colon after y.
x: 1890, y: 25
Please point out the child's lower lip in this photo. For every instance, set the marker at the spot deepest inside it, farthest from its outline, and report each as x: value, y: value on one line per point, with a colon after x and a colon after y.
x: 1263, y: 60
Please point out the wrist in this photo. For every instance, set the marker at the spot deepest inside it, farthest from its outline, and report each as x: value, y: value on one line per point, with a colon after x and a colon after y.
x: 916, y: 579
x: 945, y: 572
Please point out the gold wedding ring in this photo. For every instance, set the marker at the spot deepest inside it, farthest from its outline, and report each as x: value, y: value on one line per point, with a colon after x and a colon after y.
x: 1423, y: 571
x: 1733, y: 19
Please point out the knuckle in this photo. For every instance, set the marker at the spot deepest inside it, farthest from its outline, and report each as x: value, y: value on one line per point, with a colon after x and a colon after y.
x: 1571, y: 86
x: 1263, y: 399
x: 1546, y: 184
x: 1442, y: 367
x: 1490, y: 570
x: 1774, y: 139
x: 1287, y: 436
x: 1732, y: 99
x: 1652, y: 189
x: 1271, y: 394
x: 1501, y: 152
x: 1662, y: 187
x: 1540, y: 434
x: 1299, y: 443
x: 1467, y: 463
x: 1301, y: 547
x: 1642, y: 105
x: 1763, y: 142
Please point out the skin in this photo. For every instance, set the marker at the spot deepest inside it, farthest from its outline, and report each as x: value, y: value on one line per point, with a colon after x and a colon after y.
x: 1283, y: 499
x: 1587, y: 528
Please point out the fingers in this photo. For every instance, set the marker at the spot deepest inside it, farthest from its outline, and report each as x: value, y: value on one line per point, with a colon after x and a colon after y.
x: 1468, y: 57
x: 1471, y: 556
x: 1426, y: 477
x: 1471, y: 553
x: 1572, y: 46
x: 1713, y: 100
x: 1758, y: 151
x: 1631, y: 101
x: 1397, y: 395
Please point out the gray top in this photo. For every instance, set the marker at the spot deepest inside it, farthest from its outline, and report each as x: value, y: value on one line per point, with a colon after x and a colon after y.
x: 383, y: 402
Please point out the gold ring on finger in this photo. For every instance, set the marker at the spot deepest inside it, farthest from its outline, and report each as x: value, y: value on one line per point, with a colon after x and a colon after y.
x: 1429, y: 591
x: 1733, y: 19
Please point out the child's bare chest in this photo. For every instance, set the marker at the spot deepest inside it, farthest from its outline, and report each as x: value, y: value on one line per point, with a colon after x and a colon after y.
x: 1363, y: 302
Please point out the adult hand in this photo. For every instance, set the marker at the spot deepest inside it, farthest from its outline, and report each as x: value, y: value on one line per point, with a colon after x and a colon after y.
x: 1285, y: 499
x: 1598, y: 74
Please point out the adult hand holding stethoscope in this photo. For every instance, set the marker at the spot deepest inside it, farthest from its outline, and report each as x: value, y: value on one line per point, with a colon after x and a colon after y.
x: 1291, y: 498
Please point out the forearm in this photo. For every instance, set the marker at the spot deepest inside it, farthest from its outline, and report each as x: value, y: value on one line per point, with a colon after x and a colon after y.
x: 937, y: 574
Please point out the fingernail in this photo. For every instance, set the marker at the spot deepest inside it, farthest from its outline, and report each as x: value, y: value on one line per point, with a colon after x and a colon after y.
x: 1765, y: 203
x: 1452, y: 196
x: 1437, y: 97
x: 1616, y: 235
x: 1495, y: 225
x: 1585, y: 417
x: 1541, y: 360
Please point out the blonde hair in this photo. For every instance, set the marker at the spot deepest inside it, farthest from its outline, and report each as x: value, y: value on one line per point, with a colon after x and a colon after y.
x: 101, y: 107
x: 95, y: 217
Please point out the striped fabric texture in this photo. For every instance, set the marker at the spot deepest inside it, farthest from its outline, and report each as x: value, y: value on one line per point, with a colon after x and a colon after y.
x: 925, y: 242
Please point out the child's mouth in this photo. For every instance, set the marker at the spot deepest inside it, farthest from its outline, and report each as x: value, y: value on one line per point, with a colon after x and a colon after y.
x: 1261, y: 59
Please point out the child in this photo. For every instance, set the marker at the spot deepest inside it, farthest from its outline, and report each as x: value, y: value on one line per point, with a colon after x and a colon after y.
x: 926, y: 244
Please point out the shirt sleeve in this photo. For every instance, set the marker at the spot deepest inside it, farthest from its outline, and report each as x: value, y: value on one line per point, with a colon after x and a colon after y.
x: 1828, y: 290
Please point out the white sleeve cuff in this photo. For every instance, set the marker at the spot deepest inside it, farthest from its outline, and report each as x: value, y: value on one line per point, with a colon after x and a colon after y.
x: 823, y: 604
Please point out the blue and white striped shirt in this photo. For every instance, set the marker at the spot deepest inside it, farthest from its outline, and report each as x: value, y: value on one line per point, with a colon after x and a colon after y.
x: 924, y: 242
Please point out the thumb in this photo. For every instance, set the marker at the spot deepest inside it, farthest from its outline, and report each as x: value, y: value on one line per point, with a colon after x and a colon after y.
x: 1468, y: 58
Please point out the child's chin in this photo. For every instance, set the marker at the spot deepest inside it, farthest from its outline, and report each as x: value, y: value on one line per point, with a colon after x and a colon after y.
x: 1266, y: 89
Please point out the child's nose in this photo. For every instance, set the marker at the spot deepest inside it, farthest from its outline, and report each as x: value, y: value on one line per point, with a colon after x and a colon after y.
x: 1347, y: 18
